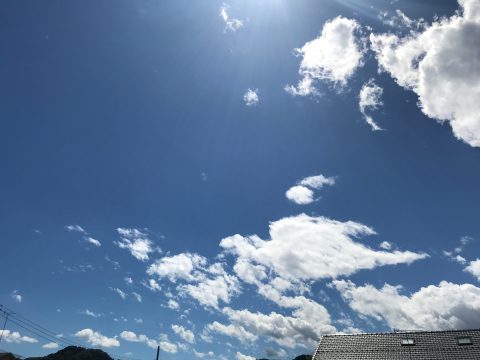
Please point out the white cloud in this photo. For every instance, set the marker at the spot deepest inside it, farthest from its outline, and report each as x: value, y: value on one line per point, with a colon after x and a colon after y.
x: 303, y: 193
x: 251, y: 97
x: 15, y: 295
x: 442, y: 307
x: 15, y: 337
x: 76, y: 228
x: 317, y: 181
x: 97, y: 339
x: 185, y: 334
x: 136, y: 242
x: 300, y: 195
x: 201, y: 355
x: 440, y: 64
x: 138, y: 320
x: 120, y: 293
x: 172, y: 304
x: 92, y: 241
x: 183, y: 266
x: 288, y: 331
x: 152, y: 285
x: 128, y: 280
x: 311, y: 248
x: 209, y: 292
x: 386, y: 245
x: 240, y: 356
x: 230, y: 24
x: 137, y: 296
x: 52, y: 345
x: 474, y: 268
x: 132, y: 337
x: 333, y: 56
x: 235, y: 331
x: 400, y: 20
x: 91, y: 313
x: 370, y: 98
x: 115, y: 264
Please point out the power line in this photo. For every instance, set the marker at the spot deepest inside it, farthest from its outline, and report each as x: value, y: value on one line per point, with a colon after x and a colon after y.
x: 40, y: 331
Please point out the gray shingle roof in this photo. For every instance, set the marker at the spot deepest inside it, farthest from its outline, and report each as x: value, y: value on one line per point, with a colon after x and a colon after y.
x: 429, y: 345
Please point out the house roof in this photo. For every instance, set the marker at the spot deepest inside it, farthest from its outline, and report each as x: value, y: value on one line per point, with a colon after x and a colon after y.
x: 427, y: 345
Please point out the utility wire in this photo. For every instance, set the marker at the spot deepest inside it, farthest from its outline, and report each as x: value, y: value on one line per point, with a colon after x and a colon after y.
x: 40, y: 331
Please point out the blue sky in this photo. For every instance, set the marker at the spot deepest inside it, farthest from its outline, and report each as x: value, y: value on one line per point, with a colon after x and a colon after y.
x: 234, y: 179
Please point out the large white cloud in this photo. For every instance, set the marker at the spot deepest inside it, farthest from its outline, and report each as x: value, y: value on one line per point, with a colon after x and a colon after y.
x: 311, y: 248
x: 441, y: 64
x: 136, y: 242
x: 97, y: 339
x: 333, y: 56
x: 288, y: 331
x: 446, y: 306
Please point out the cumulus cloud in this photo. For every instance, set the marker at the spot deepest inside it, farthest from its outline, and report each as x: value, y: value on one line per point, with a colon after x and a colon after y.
x: 132, y: 337
x: 240, y: 356
x: 183, y: 266
x: 288, y: 331
x: 251, y: 97
x: 136, y: 242
x: 370, y: 98
x: 235, y: 331
x: 474, y: 268
x: 440, y: 64
x: 311, y: 248
x: 185, y: 334
x: 51, y: 345
x: 303, y: 193
x: 386, y: 245
x: 97, y: 339
x: 15, y: 295
x: 300, y: 195
x: 442, y: 307
x: 209, y: 292
x: 333, y: 56
x: 231, y: 24
x: 172, y: 304
x: 15, y: 337
x: 152, y: 285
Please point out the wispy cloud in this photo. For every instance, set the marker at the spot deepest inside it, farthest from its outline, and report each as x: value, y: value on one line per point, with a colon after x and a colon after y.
x: 231, y: 24
x: 370, y: 98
